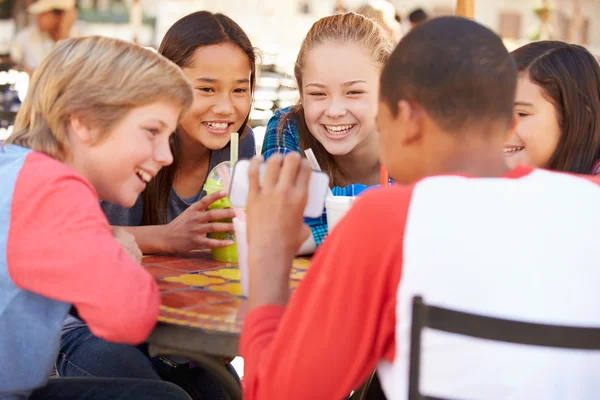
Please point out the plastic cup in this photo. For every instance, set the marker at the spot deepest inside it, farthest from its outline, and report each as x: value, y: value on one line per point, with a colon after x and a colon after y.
x: 242, y: 253
x: 337, y: 207
x: 213, y: 184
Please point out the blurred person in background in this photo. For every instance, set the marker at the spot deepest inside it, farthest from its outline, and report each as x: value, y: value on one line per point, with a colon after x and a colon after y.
x: 54, y: 21
x: 416, y: 17
x: 384, y: 14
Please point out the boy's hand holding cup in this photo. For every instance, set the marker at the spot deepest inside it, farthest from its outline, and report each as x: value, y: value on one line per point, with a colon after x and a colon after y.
x: 275, y: 225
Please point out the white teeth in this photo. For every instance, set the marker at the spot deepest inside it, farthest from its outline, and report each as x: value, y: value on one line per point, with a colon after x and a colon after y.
x: 146, y: 177
x: 338, y: 129
x: 513, y: 149
x: 217, y: 125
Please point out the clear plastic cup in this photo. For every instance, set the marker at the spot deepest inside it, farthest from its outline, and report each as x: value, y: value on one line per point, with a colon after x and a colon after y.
x: 242, y: 253
x: 214, y: 183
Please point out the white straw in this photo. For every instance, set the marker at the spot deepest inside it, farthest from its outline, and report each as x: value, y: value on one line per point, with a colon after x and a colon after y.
x: 233, y: 149
x: 314, y: 164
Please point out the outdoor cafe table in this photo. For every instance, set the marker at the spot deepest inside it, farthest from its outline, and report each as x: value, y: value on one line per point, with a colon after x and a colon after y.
x: 202, y: 310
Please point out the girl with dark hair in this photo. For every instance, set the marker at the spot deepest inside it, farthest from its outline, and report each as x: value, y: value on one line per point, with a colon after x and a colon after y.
x: 558, y: 102
x: 217, y: 57
x: 171, y: 215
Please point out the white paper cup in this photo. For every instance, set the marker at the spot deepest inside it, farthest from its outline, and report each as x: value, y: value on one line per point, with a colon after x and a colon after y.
x: 336, y: 207
x: 242, y: 252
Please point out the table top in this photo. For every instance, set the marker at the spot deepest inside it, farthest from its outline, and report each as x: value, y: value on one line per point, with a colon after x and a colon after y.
x: 200, y: 293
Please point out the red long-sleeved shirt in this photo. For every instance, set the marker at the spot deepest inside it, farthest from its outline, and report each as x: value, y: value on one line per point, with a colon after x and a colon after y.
x: 60, y: 246
x: 342, y: 316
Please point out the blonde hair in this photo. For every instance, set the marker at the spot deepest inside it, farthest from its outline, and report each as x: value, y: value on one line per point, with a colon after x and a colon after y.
x: 339, y: 28
x: 345, y: 28
x: 99, y: 80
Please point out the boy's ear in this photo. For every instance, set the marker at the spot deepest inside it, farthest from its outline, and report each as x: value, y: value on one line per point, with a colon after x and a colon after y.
x: 81, y: 130
x: 410, y: 116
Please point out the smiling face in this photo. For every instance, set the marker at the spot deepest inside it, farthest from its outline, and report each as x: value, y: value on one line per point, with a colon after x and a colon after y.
x: 220, y: 76
x: 128, y: 156
x: 340, y: 95
x: 538, y: 132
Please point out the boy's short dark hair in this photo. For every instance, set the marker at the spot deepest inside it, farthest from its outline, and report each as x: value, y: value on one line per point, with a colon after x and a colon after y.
x: 456, y: 69
x: 417, y: 16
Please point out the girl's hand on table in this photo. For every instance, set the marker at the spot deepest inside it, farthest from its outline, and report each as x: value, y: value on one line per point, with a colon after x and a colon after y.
x: 188, y: 231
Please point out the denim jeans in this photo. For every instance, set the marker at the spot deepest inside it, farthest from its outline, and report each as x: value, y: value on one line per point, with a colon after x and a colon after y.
x: 84, y: 355
x: 108, y: 389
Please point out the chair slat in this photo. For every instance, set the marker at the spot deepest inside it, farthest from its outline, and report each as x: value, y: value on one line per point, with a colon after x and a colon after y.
x: 483, y: 327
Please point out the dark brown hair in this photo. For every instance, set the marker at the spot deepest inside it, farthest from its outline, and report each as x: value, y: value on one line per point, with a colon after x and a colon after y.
x: 457, y: 70
x: 417, y: 16
x: 195, y: 30
x: 569, y: 77
x: 341, y: 28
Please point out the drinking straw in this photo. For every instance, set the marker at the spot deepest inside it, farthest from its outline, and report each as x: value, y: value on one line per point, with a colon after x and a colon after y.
x: 233, y: 148
x: 233, y: 159
x: 314, y: 164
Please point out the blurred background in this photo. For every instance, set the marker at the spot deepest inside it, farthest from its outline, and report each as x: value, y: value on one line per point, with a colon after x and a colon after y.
x: 277, y: 28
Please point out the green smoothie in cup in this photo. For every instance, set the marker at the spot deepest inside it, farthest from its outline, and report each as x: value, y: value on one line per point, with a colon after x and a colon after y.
x: 213, y: 184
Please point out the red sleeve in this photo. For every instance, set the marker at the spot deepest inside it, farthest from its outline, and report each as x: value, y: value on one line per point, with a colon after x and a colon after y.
x: 60, y: 246
x: 592, y: 179
x: 341, y: 320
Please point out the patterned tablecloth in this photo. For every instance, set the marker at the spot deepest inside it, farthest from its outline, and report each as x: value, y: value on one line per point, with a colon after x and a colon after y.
x: 198, y: 292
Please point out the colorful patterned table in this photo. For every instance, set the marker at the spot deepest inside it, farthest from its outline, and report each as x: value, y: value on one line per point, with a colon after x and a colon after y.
x: 202, y: 310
